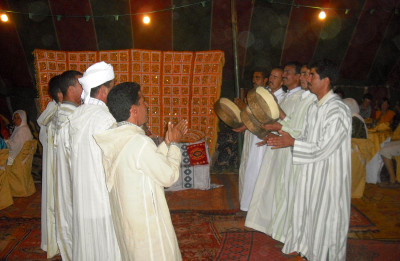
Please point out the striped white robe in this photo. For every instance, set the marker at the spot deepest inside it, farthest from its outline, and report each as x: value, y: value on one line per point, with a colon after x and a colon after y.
x: 323, y: 191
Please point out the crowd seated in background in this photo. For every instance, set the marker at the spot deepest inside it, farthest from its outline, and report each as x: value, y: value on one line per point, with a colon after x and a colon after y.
x: 396, y: 118
x: 359, y: 129
x: 384, y: 115
x: 365, y: 107
x: 20, y: 135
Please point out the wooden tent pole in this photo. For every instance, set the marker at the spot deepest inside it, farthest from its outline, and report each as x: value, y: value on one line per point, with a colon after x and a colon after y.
x: 236, y: 64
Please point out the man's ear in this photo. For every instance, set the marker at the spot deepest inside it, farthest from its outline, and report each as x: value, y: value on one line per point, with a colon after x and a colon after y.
x: 133, y: 110
x: 327, y: 81
x: 133, y: 114
x: 102, y: 94
x: 103, y: 90
x: 60, y: 96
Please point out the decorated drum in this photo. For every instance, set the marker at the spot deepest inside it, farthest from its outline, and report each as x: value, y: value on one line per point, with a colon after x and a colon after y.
x: 263, y: 105
x: 228, y: 112
x: 252, y: 123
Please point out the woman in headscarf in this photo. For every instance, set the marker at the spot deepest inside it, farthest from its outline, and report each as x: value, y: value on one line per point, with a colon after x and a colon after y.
x: 20, y: 135
x: 359, y: 129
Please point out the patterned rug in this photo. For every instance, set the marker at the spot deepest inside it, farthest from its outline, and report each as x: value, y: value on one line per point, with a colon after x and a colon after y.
x: 258, y: 246
x: 202, y: 235
x: 22, y: 236
x: 359, y: 222
x: 223, y: 199
x: 208, y: 225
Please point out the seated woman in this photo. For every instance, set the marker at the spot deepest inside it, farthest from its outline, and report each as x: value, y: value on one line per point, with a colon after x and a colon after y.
x: 20, y: 135
x: 359, y: 129
x: 384, y: 115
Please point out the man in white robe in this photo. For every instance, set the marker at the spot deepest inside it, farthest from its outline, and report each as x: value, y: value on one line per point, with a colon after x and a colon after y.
x: 137, y: 172
x: 93, y: 230
x: 273, y: 197
x: 46, y: 122
x: 71, y: 90
x: 263, y: 205
x: 252, y: 155
x: 321, y: 213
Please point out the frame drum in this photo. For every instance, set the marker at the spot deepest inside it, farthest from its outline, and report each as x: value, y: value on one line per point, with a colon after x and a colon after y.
x: 228, y: 112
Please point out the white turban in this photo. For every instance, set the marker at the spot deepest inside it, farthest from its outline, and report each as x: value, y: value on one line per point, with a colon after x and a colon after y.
x: 95, y: 75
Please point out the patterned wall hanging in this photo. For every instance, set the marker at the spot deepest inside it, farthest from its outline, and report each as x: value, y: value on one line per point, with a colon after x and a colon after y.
x: 176, y: 85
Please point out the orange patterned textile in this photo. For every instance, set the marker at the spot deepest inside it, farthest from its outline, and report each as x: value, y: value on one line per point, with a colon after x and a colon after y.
x: 177, y: 85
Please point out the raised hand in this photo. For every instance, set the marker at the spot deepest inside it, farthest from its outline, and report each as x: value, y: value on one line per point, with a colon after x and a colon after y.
x: 175, y: 133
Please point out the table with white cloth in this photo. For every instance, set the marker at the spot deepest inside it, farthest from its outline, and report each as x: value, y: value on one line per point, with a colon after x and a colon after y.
x: 197, y: 175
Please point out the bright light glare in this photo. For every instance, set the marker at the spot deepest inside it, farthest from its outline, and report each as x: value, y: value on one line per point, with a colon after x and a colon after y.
x: 322, y: 15
x: 146, y: 19
x: 4, y: 17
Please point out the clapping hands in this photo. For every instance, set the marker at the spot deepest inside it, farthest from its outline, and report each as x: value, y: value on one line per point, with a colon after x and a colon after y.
x: 175, y: 133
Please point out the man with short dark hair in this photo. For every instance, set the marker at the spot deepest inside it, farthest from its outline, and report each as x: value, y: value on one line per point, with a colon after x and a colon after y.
x: 275, y: 83
x: 71, y: 90
x: 260, y: 77
x: 323, y: 190
x: 46, y: 122
x: 93, y: 230
x: 54, y: 89
x: 291, y: 78
x: 136, y: 173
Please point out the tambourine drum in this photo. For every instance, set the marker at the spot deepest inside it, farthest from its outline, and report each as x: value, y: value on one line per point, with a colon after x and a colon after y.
x: 263, y: 105
x: 252, y: 123
x: 228, y: 112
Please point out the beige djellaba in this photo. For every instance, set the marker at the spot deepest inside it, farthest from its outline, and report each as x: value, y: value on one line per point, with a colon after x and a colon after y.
x: 136, y: 173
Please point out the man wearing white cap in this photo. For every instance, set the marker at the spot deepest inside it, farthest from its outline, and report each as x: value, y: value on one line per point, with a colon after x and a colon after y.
x: 93, y: 231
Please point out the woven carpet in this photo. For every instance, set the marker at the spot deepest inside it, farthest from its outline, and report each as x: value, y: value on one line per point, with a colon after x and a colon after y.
x: 208, y: 225
x: 258, y: 246
x: 359, y: 222
x: 223, y: 199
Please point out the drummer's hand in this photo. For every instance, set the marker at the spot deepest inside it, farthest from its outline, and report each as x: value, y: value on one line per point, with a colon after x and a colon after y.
x: 282, y: 114
x: 240, y: 103
x: 272, y: 126
x: 264, y: 142
x: 240, y: 129
x: 283, y: 141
